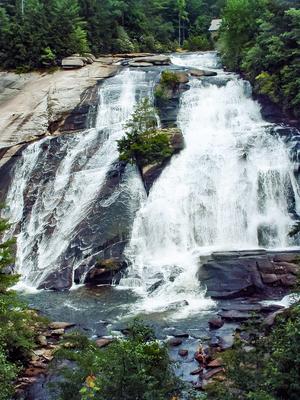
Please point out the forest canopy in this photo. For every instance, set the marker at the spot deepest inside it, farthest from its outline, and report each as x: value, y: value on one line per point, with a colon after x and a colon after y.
x: 261, y: 39
x: 35, y: 33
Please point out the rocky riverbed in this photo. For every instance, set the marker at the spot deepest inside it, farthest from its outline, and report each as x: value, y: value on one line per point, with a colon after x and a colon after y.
x: 247, y: 286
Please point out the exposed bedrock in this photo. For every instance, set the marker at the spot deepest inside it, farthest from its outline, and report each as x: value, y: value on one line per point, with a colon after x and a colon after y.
x: 95, y: 254
x: 246, y: 274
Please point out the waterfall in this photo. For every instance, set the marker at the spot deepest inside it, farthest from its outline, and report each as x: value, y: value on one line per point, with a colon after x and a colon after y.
x: 57, y: 181
x: 230, y: 188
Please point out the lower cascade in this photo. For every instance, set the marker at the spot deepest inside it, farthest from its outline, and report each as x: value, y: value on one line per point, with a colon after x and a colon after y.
x: 232, y: 188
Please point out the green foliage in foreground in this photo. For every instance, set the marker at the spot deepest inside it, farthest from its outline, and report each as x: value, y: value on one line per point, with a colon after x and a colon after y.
x: 135, y: 368
x: 143, y: 142
x: 269, y: 372
x: 261, y: 38
x: 16, y: 323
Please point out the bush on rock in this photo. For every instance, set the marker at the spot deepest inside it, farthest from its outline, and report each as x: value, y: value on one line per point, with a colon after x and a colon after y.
x: 144, y: 143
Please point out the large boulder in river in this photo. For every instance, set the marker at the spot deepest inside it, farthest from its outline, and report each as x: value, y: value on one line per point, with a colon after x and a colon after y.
x: 151, y: 60
x: 105, y: 272
x: 230, y: 279
x: 199, y: 73
x: 240, y: 274
x: 167, y: 96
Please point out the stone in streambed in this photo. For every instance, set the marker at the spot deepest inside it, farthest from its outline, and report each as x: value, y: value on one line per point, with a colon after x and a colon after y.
x: 270, y: 319
x: 103, y: 342
x: 197, y: 371
x: 155, y: 286
x: 212, y: 373
x: 175, y: 342
x: 288, y: 280
x: 183, y: 352
x: 234, y: 315
x: 215, y: 323
x: 33, y: 372
x: 269, y: 278
x: 215, y: 363
x: 231, y: 278
x: 140, y: 64
x: 104, y: 272
x: 61, y: 325
x: 177, y: 304
x: 201, y: 73
x: 289, y: 267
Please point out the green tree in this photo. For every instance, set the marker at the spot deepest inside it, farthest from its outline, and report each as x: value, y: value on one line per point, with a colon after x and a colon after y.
x: 17, y: 337
x: 137, y: 367
x: 143, y: 142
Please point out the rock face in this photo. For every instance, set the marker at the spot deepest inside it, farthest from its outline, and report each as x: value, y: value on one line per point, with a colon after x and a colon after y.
x: 105, y: 272
x: 147, y: 61
x: 72, y: 63
x: 240, y: 275
x: 37, y: 104
x: 200, y: 73
x: 168, y: 101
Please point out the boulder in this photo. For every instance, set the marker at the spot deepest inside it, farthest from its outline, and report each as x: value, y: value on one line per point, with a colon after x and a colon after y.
x: 105, y: 271
x: 103, y: 342
x: 183, y: 352
x: 58, y: 280
x: 215, y: 323
x: 242, y: 307
x: 200, y: 73
x: 213, y: 372
x: 230, y: 279
x: 234, y: 315
x: 167, y: 99
x: 72, y: 63
x: 152, y: 60
x: 182, y: 77
x: 175, y: 342
x: 270, y: 319
x: 197, y: 371
x: 288, y: 280
x: 57, y: 332
x: 139, y: 64
x: 286, y: 257
x: 289, y: 267
x: 215, y: 363
x: 269, y: 278
x: 61, y: 325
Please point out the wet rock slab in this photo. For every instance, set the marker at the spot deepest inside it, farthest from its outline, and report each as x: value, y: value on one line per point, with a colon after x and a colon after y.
x: 251, y: 273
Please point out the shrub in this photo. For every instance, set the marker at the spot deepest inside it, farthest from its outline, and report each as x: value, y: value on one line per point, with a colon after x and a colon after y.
x: 268, y: 372
x: 16, y: 323
x: 194, y: 43
x: 137, y: 367
x: 169, y: 79
x: 144, y: 143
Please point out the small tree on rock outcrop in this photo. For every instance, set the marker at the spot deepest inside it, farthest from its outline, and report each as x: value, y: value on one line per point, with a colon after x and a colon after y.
x: 143, y: 142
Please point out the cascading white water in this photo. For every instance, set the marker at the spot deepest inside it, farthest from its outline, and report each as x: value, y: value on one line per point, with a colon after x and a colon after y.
x: 228, y: 189
x: 62, y: 201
